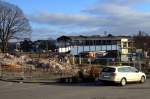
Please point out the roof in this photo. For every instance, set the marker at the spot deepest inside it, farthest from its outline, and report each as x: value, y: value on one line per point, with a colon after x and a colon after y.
x: 96, y: 37
x: 64, y: 38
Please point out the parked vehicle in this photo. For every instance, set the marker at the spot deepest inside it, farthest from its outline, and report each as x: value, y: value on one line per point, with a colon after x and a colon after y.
x: 122, y: 75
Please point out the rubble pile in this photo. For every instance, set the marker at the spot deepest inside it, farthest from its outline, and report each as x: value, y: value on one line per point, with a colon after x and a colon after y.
x: 11, y: 61
x: 56, y: 67
x: 23, y: 61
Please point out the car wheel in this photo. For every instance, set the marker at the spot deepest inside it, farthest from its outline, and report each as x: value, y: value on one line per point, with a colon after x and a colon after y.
x: 123, y: 82
x: 142, y: 79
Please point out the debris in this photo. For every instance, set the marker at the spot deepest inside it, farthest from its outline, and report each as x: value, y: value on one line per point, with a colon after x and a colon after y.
x: 24, y: 61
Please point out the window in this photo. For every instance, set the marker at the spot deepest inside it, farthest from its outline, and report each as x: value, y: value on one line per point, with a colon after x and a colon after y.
x: 76, y: 42
x: 108, y: 69
x: 133, y: 69
x: 124, y: 44
x: 120, y: 70
x: 124, y: 69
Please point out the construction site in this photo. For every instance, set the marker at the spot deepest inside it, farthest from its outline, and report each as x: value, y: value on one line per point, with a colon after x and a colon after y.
x: 77, y: 59
x: 44, y: 67
x: 58, y: 67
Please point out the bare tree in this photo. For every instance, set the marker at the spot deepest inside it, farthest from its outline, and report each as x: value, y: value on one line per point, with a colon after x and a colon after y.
x: 142, y: 41
x: 13, y: 24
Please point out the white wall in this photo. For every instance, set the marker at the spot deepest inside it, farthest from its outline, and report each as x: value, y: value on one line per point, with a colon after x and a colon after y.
x: 63, y: 50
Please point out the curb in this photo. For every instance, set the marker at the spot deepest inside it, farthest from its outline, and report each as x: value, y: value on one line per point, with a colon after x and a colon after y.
x: 29, y: 81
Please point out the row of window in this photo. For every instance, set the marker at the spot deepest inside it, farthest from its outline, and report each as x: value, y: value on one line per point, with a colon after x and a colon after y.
x: 93, y: 42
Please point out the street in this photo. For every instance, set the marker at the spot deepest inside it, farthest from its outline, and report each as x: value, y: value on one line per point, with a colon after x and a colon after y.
x: 11, y: 90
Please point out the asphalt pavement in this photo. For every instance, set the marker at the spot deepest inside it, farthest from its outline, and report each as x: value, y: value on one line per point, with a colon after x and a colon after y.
x: 13, y: 90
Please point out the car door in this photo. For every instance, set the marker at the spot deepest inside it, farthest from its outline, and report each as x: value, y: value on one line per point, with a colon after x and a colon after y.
x: 124, y: 72
x: 134, y: 74
x: 128, y: 73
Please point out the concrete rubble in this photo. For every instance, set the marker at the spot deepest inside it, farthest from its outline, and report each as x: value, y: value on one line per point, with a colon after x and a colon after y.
x: 24, y: 61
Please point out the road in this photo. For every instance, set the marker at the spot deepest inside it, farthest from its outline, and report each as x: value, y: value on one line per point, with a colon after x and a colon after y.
x: 10, y: 90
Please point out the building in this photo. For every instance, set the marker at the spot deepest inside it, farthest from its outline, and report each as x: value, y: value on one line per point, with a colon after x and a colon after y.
x: 77, y: 44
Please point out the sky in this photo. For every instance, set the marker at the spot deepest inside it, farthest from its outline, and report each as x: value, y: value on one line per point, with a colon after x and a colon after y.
x: 54, y: 18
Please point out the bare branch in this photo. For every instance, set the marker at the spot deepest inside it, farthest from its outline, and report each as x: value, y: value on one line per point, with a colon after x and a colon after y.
x: 13, y: 23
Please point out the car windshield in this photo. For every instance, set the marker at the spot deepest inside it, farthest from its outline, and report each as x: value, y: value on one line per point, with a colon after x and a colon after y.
x: 108, y: 69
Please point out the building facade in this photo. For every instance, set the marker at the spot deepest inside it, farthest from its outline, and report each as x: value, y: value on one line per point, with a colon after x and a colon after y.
x: 77, y: 44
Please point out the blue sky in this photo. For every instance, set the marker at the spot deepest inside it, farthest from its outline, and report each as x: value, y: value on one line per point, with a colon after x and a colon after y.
x: 53, y: 18
x: 66, y: 6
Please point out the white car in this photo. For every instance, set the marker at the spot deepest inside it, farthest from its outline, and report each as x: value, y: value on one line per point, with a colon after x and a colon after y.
x: 122, y: 74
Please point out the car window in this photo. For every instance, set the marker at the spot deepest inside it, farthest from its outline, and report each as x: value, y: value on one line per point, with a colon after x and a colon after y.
x: 124, y: 69
x: 120, y: 70
x: 133, y: 69
x: 108, y: 69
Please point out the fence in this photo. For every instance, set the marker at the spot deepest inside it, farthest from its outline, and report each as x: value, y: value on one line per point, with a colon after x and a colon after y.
x: 32, y: 66
x: 32, y: 72
x: 143, y: 65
